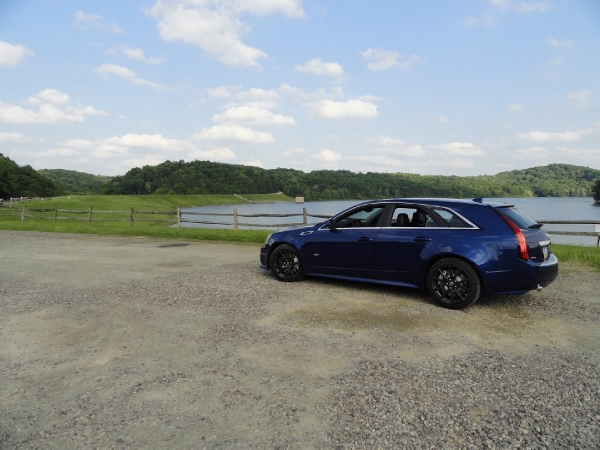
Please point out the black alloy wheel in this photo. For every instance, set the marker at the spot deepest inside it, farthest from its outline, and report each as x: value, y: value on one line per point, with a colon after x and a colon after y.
x: 285, y: 263
x: 453, y: 283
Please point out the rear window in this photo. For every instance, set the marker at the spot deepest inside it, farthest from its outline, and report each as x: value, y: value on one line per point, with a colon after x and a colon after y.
x: 517, y: 217
x: 452, y: 219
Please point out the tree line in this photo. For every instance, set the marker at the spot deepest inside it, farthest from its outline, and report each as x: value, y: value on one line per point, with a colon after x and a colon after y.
x: 206, y: 177
x: 17, y: 181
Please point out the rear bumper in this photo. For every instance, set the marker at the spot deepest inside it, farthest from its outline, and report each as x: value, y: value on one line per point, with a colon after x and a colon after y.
x: 526, y: 276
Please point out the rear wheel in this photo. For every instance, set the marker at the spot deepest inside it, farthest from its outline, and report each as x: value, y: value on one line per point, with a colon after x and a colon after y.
x: 453, y: 283
x: 285, y: 263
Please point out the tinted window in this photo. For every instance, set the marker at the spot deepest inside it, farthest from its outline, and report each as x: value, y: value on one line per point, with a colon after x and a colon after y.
x: 410, y: 216
x: 517, y: 217
x: 362, y: 217
x: 452, y: 219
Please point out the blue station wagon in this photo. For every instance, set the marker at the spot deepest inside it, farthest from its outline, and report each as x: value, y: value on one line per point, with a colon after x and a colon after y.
x: 456, y: 249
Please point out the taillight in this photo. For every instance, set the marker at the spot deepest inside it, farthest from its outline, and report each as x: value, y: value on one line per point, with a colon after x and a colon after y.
x: 523, y: 252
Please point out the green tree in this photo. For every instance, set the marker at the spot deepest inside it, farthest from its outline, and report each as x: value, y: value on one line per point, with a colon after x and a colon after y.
x: 596, y: 191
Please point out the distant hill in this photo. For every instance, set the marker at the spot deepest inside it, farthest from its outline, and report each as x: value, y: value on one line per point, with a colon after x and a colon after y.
x: 205, y: 177
x: 555, y: 180
x: 73, y: 182
x: 23, y: 181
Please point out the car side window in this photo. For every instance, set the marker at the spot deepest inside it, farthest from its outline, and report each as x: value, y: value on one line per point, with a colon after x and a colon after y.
x: 452, y: 219
x: 363, y: 217
x: 410, y: 216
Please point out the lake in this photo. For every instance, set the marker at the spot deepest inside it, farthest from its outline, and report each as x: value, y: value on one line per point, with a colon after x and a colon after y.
x: 539, y: 208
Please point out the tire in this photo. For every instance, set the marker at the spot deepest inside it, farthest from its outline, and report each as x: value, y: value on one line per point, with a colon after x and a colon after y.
x: 453, y: 283
x: 286, y: 264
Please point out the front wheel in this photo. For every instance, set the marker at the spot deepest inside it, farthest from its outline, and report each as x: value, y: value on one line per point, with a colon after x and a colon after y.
x: 453, y: 283
x: 285, y: 263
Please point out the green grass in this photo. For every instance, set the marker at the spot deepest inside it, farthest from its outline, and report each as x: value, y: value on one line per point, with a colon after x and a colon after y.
x: 578, y: 255
x: 10, y: 218
x: 148, y: 202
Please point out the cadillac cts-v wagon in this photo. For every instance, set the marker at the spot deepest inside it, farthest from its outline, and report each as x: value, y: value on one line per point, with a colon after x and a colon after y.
x: 456, y: 249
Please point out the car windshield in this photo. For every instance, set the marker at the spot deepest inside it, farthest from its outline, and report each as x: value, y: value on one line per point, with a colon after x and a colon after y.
x: 517, y: 217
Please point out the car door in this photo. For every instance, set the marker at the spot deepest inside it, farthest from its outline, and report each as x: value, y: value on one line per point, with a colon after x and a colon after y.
x: 347, y: 247
x: 404, y: 244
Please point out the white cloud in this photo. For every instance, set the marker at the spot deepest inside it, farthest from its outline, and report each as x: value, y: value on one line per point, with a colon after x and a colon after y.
x: 351, y: 109
x: 502, y: 4
x: 12, y: 137
x: 387, y: 59
x: 317, y: 66
x: 585, y: 155
x: 12, y: 55
x: 52, y: 110
x: 295, y: 151
x: 252, y: 116
x: 580, y: 99
x: 216, y: 154
x: 389, y: 147
x: 516, y: 107
x: 556, y: 43
x: 233, y: 133
x: 443, y: 119
x: 459, y: 149
x: 262, y: 98
x: 135, y: 53
x: 531, y: 154
x: 127, y: 74
x: 84, y: 21
x: 386, y: 141
x: 216, y: 27
x: 565, y: 136
x: 327, y: 155
x: 124, y: 145
x: 221, y: 91
x: 530, y: 7
x: 49, y: 96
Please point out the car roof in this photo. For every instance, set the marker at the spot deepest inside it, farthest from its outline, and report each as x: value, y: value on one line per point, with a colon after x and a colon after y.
x: 443, y: 201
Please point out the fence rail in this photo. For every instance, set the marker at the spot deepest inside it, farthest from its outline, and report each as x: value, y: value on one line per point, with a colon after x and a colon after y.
x: 90, y: 215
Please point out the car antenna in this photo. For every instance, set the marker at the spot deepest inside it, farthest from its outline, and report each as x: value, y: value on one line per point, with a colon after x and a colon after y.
x: 478, y: 199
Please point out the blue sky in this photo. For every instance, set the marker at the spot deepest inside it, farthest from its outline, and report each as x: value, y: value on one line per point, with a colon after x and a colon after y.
x: 450, y: 87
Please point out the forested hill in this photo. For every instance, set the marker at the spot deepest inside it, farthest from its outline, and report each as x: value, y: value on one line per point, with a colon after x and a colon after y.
x: 205, y: 177
x: 17, y: 181
x: 73, y: 182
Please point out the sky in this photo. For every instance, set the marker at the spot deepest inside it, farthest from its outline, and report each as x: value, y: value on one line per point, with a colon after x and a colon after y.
x: 433, y: 87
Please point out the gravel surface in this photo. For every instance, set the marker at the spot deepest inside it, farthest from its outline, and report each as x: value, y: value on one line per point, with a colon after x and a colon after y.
x: 110, y: 342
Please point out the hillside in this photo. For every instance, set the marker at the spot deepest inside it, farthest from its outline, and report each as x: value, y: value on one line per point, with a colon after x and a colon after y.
x: 205, y: 177
x: 23, y: 181
x: 73, y: 182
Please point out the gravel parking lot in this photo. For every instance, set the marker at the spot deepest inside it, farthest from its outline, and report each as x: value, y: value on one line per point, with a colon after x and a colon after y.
x: 111, y: 342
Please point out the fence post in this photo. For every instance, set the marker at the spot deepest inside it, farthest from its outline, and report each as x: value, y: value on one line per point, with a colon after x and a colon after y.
x: 131, y: 220
x: 179, y: 218
x: 304, y: 221
x: 55, y: 212
x: 235, y: 219
x: 23, y: 214
x: 90, y: 217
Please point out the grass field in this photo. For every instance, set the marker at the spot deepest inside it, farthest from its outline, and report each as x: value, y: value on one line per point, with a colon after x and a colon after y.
x: 10, y: 217
x: 578, y: 255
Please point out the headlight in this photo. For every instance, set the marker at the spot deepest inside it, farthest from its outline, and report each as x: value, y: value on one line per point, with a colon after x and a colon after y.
x: 268, y: 239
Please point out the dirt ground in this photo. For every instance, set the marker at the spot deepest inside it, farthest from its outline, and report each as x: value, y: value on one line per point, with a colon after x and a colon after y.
x: 111, y: 342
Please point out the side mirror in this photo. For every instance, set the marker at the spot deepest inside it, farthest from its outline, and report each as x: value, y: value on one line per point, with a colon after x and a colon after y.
x: 330, y: 223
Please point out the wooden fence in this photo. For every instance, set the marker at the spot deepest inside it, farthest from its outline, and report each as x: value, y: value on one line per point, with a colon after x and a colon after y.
x: 90, y: 215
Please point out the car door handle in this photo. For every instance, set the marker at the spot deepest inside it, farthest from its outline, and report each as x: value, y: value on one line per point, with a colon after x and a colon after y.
x: 365, y: 239
x: 421, y: 239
